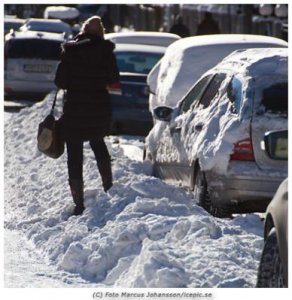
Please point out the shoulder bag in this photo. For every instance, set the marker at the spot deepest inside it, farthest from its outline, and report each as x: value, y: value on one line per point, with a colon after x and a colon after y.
x: 49, y: 140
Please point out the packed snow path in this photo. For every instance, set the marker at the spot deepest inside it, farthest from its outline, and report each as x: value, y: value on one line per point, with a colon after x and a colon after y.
x: 26, y: 268
x: 143, y: 233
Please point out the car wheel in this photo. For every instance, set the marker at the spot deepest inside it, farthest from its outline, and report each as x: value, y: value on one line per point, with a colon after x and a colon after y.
x: 270, y: 272
x: 200, y: 192
x: 202, y: 196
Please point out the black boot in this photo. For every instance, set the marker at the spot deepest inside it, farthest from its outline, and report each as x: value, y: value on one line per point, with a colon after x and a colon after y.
x: 105, y: 171
x: 76, y: 187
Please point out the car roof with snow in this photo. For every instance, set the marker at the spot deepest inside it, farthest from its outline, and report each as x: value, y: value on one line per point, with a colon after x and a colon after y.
x: 36, y: 35
x: 255, y: 62
x: 223, y: 39
x: 61, y: 12
x: 139, y: 48
x: 45, y: 25
x: 143, y: 37
x: 187, y: 59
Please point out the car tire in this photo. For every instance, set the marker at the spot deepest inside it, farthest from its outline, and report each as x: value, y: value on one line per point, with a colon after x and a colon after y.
x: 270, y: 272
x: 202, y: 196
x: 200, y: 190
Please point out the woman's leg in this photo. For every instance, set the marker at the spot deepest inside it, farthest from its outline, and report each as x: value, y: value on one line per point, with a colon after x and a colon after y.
x: 103, y: 160
x: 75, y: 160
x: 75, y: 169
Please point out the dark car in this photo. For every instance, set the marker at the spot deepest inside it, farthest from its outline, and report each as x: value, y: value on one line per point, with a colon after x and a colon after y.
x: 273, y: 268
x: 130, y: 103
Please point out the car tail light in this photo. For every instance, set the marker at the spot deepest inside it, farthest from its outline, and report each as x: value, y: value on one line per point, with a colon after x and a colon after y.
x: 115, y: 88
x: 243, y: 150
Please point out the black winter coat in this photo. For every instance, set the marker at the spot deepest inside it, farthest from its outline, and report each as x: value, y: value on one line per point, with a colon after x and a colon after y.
x: 87, y: 66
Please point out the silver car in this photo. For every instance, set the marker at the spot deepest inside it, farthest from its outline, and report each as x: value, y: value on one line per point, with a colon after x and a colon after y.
x: 211, y: 141
x: 30, y: 64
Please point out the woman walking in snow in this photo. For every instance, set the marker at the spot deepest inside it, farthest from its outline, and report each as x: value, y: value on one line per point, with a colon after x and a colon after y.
x: 87, y: 66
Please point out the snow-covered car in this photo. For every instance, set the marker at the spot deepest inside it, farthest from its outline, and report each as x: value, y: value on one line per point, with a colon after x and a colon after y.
x: 30, y: 62
x: 186, y: 60
x: 163, y: 39
x: 60, y: 12
x: 211, y: 141
x: 47, y: 25
x: 273, y: 268
x: 130, y: 105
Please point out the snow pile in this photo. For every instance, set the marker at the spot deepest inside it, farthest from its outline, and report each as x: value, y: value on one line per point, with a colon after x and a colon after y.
x: 143, y: 233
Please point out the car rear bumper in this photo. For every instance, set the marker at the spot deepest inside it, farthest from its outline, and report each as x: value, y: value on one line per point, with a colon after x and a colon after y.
x: 17, y: 87
x: 244, y: 193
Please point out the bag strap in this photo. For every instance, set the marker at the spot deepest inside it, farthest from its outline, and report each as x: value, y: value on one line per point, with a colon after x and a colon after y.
x: 54, y: 103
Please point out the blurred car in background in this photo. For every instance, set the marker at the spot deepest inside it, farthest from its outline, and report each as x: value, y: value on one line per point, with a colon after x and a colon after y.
x: 65, y: 13
x: 163, y: 39
x: 130, y: 105
x: 211, y: 142
x: 186, y: 60
x: 12, y: 24
x: 47, y: 25
x: 30, y: 63
x: 273, y: 268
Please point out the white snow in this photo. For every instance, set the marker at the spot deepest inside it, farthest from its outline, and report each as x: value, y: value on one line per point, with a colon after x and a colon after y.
x: 143, y: 233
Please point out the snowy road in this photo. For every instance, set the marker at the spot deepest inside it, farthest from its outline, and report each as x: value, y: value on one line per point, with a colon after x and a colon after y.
x: 144, y: 233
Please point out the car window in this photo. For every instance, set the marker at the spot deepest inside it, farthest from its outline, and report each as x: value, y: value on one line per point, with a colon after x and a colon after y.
x: 234, y: 93
x: 195, y: 93
x: 137, y: 62
x: 33, y: 48
x: 12, y: 25
x: 275, y: 98
x: 212, y: 90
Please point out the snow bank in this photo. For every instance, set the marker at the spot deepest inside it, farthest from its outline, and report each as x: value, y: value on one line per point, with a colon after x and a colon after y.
x: 143, y: 233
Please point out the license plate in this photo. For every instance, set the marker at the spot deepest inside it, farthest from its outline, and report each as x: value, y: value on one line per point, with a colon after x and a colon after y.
x: 37, y: 68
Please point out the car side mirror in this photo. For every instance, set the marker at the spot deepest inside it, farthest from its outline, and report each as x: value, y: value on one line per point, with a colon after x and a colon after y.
x: 163, y: 113
x: 275, y: 144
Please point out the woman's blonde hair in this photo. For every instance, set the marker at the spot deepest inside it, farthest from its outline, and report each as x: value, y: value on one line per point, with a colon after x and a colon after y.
x: 93, y: 26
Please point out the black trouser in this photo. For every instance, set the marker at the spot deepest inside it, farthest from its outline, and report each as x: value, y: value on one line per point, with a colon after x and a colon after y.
x: 75, y: 157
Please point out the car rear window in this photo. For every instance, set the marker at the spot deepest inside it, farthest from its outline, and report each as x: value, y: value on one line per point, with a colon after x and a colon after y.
x: 33, y: 48
x: 275, y: 98
x: 12, y: 25
x: 136, y: 62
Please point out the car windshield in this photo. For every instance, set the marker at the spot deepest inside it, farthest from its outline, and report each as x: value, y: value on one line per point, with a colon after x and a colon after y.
x: 33, y: 48
x: 137, y: 62
x: 275, y: 98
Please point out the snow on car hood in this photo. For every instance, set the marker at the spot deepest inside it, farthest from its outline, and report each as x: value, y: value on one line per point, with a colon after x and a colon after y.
x: 221, y: 129
x: 143, y: 233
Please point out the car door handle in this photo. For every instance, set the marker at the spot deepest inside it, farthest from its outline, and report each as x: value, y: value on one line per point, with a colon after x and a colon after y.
x: 175, y: 130
x: 199, y: 127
